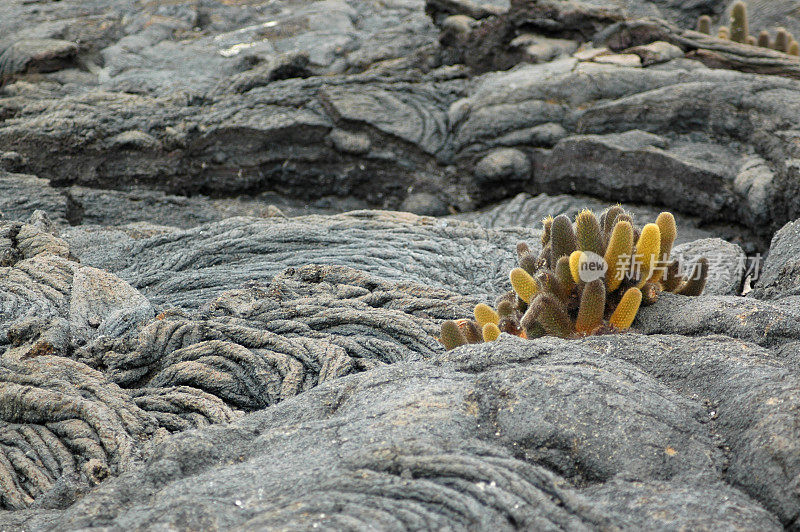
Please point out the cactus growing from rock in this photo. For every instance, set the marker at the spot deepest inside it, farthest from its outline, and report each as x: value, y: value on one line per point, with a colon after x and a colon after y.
x: 553, y: 294
x: 704, y: 24
x: 739, y: 29
x: 782, y: 40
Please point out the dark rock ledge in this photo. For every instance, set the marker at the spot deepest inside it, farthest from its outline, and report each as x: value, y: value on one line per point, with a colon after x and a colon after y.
x: 195, y: 335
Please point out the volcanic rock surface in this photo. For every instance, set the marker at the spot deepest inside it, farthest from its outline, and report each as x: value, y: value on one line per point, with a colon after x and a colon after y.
x: 230, y: 232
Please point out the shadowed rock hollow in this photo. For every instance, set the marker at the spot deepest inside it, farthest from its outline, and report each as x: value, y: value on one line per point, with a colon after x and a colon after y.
x: 217, y: 312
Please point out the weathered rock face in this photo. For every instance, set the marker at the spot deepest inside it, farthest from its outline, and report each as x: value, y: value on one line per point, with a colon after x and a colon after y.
x: 193, y: 336
x: 186, y: 99
x: 341, y: 367
x: 779, y: 276
x: 503, y: 437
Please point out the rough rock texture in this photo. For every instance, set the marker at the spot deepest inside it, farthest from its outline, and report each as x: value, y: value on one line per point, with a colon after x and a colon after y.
x: 194, y: 336
x: 186, y: 99
x: 503, y: 438
x: 341, y: 367
x: 780, y: 275
x: 185, y: 268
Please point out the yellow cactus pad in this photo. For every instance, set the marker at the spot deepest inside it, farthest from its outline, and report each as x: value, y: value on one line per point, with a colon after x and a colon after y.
x: 490, y: 332
x: 624, y: 314
x: 575, y: 265
x: 618, y: 254
x: 485, y: 314
x: 523, y: 284
x: 647, y: 252
x: 669, y: 232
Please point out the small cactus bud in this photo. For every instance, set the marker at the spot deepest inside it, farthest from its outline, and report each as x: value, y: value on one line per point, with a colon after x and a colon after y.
x: 704, y: 24
x: 485, y: 314
x: 562, y: 239
x: 619, y: 254
x: 490, y: 332
x: 451, y: 335
x: 722, y: 33
x: 647, y: 252
x: 510, y: 297
x: 751, y: 40
x: 794, y: 48
x: 610, y: 218
x: 625, y: 217
x: 697, y: 280
x: 672, y: 278
x: 523, y: 284
x: 739, y: 28
x: 626, y: 310
x: 522, y: 250
x: 782, y: 40
x: 592, y: 307
x: 528, y: 263
x: 505, y: 309
x: 763, y: 39
x: 588, y: 232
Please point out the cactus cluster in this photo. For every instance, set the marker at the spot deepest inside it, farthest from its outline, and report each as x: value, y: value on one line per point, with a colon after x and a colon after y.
x: 590, y: 278
x: 739, y: 31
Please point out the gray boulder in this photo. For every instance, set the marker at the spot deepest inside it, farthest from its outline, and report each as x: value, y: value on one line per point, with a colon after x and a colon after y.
x: 780, y: 272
